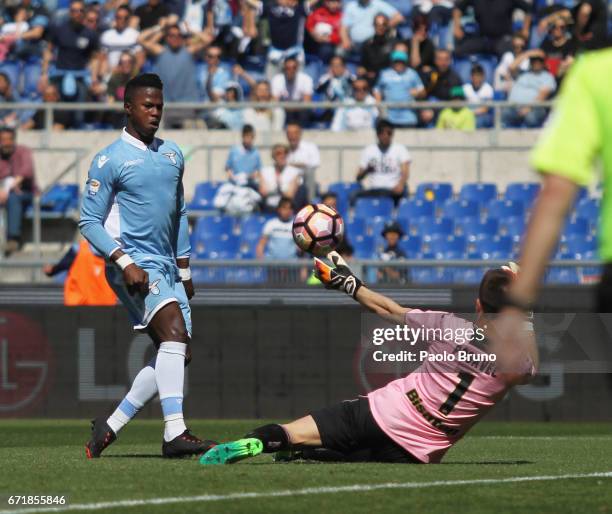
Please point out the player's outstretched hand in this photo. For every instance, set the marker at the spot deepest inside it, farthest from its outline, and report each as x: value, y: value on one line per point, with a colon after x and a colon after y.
x: 136, y: 279
x: 189, y: 289
x: 339, y: 276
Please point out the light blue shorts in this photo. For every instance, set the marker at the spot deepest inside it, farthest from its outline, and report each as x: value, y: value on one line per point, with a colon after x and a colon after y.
x: 164, y: 288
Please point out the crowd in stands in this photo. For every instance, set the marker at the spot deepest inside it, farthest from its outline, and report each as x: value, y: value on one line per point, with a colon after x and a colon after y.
x: 356, y: 52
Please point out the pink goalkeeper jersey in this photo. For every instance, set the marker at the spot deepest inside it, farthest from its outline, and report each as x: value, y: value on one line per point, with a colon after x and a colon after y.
x: 430, y: 409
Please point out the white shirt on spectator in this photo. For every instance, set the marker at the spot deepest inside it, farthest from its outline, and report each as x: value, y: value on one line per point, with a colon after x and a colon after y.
x: 387, y: 165
x: 306, y: 153
x: 302, y: 86
x: 355, y: 116
x: 482, y: 95
x: 116, y: 42
x: 268, y: 120
x: 283, y: 182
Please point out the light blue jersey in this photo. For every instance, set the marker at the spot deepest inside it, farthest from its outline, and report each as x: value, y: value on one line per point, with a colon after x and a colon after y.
x: 134, y: 201
x: 395, y: 87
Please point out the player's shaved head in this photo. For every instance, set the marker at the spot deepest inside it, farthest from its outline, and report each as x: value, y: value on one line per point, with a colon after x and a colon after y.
x: 146, y: 80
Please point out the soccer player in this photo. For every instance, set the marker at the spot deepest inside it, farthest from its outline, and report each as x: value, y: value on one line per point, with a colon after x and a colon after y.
x: 133, y: 213
x: 417, y: 418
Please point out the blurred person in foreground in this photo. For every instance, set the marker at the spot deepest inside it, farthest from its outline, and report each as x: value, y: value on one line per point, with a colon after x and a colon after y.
x: 415, y: 419
x: 578, y: 135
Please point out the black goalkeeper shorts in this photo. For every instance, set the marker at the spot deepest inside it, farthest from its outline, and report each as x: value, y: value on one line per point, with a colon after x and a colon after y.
x: 350, y: 429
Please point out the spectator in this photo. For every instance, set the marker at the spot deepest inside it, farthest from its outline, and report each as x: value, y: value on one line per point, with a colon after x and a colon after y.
x: 286, y: 20
x: 18, y: 185
x: 376, y: 50
x: 76, y: 63
x: 243, y: 162
x: 175, y: 65
x: 477, y: 91
x: 440, y: 81
x: 385, y: 165
x: 264, y: 119
x: 85, y: 282
x: 360, y: 112
x: 61, y: 119
x: 494, y: 20
x: 215, y: 78
x: 304, y: 156
x: 122, y: 74
x: 92, y: 20
x: 277, y: 235
x: 153, y: 13
x: 559, y: 48
x: 8, y: 117
x: 392, y: 233
x: 121, y: 38
x: 323, y: 26
x: 219, y: 23
x: 10, y: 32
x: 358, y: 22
x: 279, y: 180
x: 229, y: 115
x: 439, y: 12
x: 422, y: 49
x: 535, y: 85
x: 503, y: 77
x: 590, y: 29
x: 335, y: 85
x: 399, y: 83
x: 330, y: 199
x: 293, y: 85
x: 457, y: 117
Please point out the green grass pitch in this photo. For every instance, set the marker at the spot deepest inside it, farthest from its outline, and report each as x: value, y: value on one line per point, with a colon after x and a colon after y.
x: 47, y: 457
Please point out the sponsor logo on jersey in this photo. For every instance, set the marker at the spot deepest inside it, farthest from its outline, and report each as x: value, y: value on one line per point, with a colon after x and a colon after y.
x: 102, y: 160
x: 135, y: 162
x: 94, y: 186
x: 171, y: 156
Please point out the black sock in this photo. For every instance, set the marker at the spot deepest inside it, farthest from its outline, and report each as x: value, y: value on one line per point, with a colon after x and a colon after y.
x: 273, y: 437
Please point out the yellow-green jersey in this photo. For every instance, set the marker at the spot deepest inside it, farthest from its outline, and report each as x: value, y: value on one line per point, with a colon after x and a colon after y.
x: 580, y: 131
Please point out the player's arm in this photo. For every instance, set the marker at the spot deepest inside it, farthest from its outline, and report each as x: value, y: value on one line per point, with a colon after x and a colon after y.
x: 96, y: 203
x: 341, y: 277
x: 183, y: 246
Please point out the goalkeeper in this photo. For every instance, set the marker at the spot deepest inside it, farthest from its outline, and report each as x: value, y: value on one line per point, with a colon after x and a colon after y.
x: 414, y: 419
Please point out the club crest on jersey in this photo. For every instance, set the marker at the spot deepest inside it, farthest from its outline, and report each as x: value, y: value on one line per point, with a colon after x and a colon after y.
x: 93, y: 186
x: 154, y: 288
x: 102, y: 160
x: 171, y: 156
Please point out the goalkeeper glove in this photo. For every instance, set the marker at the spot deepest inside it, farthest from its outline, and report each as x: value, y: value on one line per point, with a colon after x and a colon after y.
x: 339, y: 277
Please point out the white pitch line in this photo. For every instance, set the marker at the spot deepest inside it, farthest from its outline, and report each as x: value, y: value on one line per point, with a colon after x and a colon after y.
x: 356, y: 488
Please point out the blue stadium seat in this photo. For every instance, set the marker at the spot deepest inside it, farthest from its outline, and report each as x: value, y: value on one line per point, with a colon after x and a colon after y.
x: 460, y: 209
x: 434, y: 191
x: 505, y: 208
x: 480, y: 192
x: 562, y: 275
x: 411, y: 245
x: 487, y: 245
x: 472, y: 228
x: 60, y: 198
x: 370, y: 207
x: 588, y: 208
x: 364, y: 246
x: 415, y: 208
x: 355, y: 227
x: 441, y: 244
x: 431, y: 276
x: 579, y: 244
x: 525, y: 192
x: 513, y: 226
x: 576, y: 226
x: 344, y: 189
x: 203, y: 196
x: 221, y: 244
x: 209, y: 226
x: 375, y: 225
x: 427, y: 227
x: 251, y: 227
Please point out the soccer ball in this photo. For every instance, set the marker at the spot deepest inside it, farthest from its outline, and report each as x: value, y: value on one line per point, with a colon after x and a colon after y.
x: 318, y: 229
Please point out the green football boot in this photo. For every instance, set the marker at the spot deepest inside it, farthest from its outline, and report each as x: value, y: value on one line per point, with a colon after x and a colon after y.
x: 230, y: 453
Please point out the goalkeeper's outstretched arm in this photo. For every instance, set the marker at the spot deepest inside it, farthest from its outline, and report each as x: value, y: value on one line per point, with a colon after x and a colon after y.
x: 341, y: 277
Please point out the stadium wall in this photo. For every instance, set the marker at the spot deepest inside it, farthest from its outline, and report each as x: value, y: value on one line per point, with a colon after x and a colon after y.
x: 430, y: 163
x: 271, y: 360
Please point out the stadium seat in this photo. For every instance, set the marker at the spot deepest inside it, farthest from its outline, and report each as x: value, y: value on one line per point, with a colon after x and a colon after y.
x: 481, y: 193
x: 226, y: 244
x: 375, y: 225
x: 505, y: 208
x: 411, y: 245
x: 415, y: 208
x: 364, y: 246
x: 210, y: 226
x: 427, y: 227
x: 431, y: 276
x: 251, y: 227
x: 441, y: 244
x: 513, y: 226
x: 579, y: 244
x: 355, y: 227
x: 434, y: 191
x: 576, y: 226
x: 203, y: 196
x: 458, y: 209
x: 371, y: 207
x: 525, y: 192
x: 472, y: 228
x: 344, y: 189
x: 487, y: 245
x: 60, y: 198
x: 562, y: 274
x: 588, y: 208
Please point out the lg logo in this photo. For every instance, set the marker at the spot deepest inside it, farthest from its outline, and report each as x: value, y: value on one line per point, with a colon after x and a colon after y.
x: 25, y: 364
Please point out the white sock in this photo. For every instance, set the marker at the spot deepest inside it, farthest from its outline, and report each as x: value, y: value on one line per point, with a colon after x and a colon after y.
x: 170, y: 375
x: 143, y: 389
